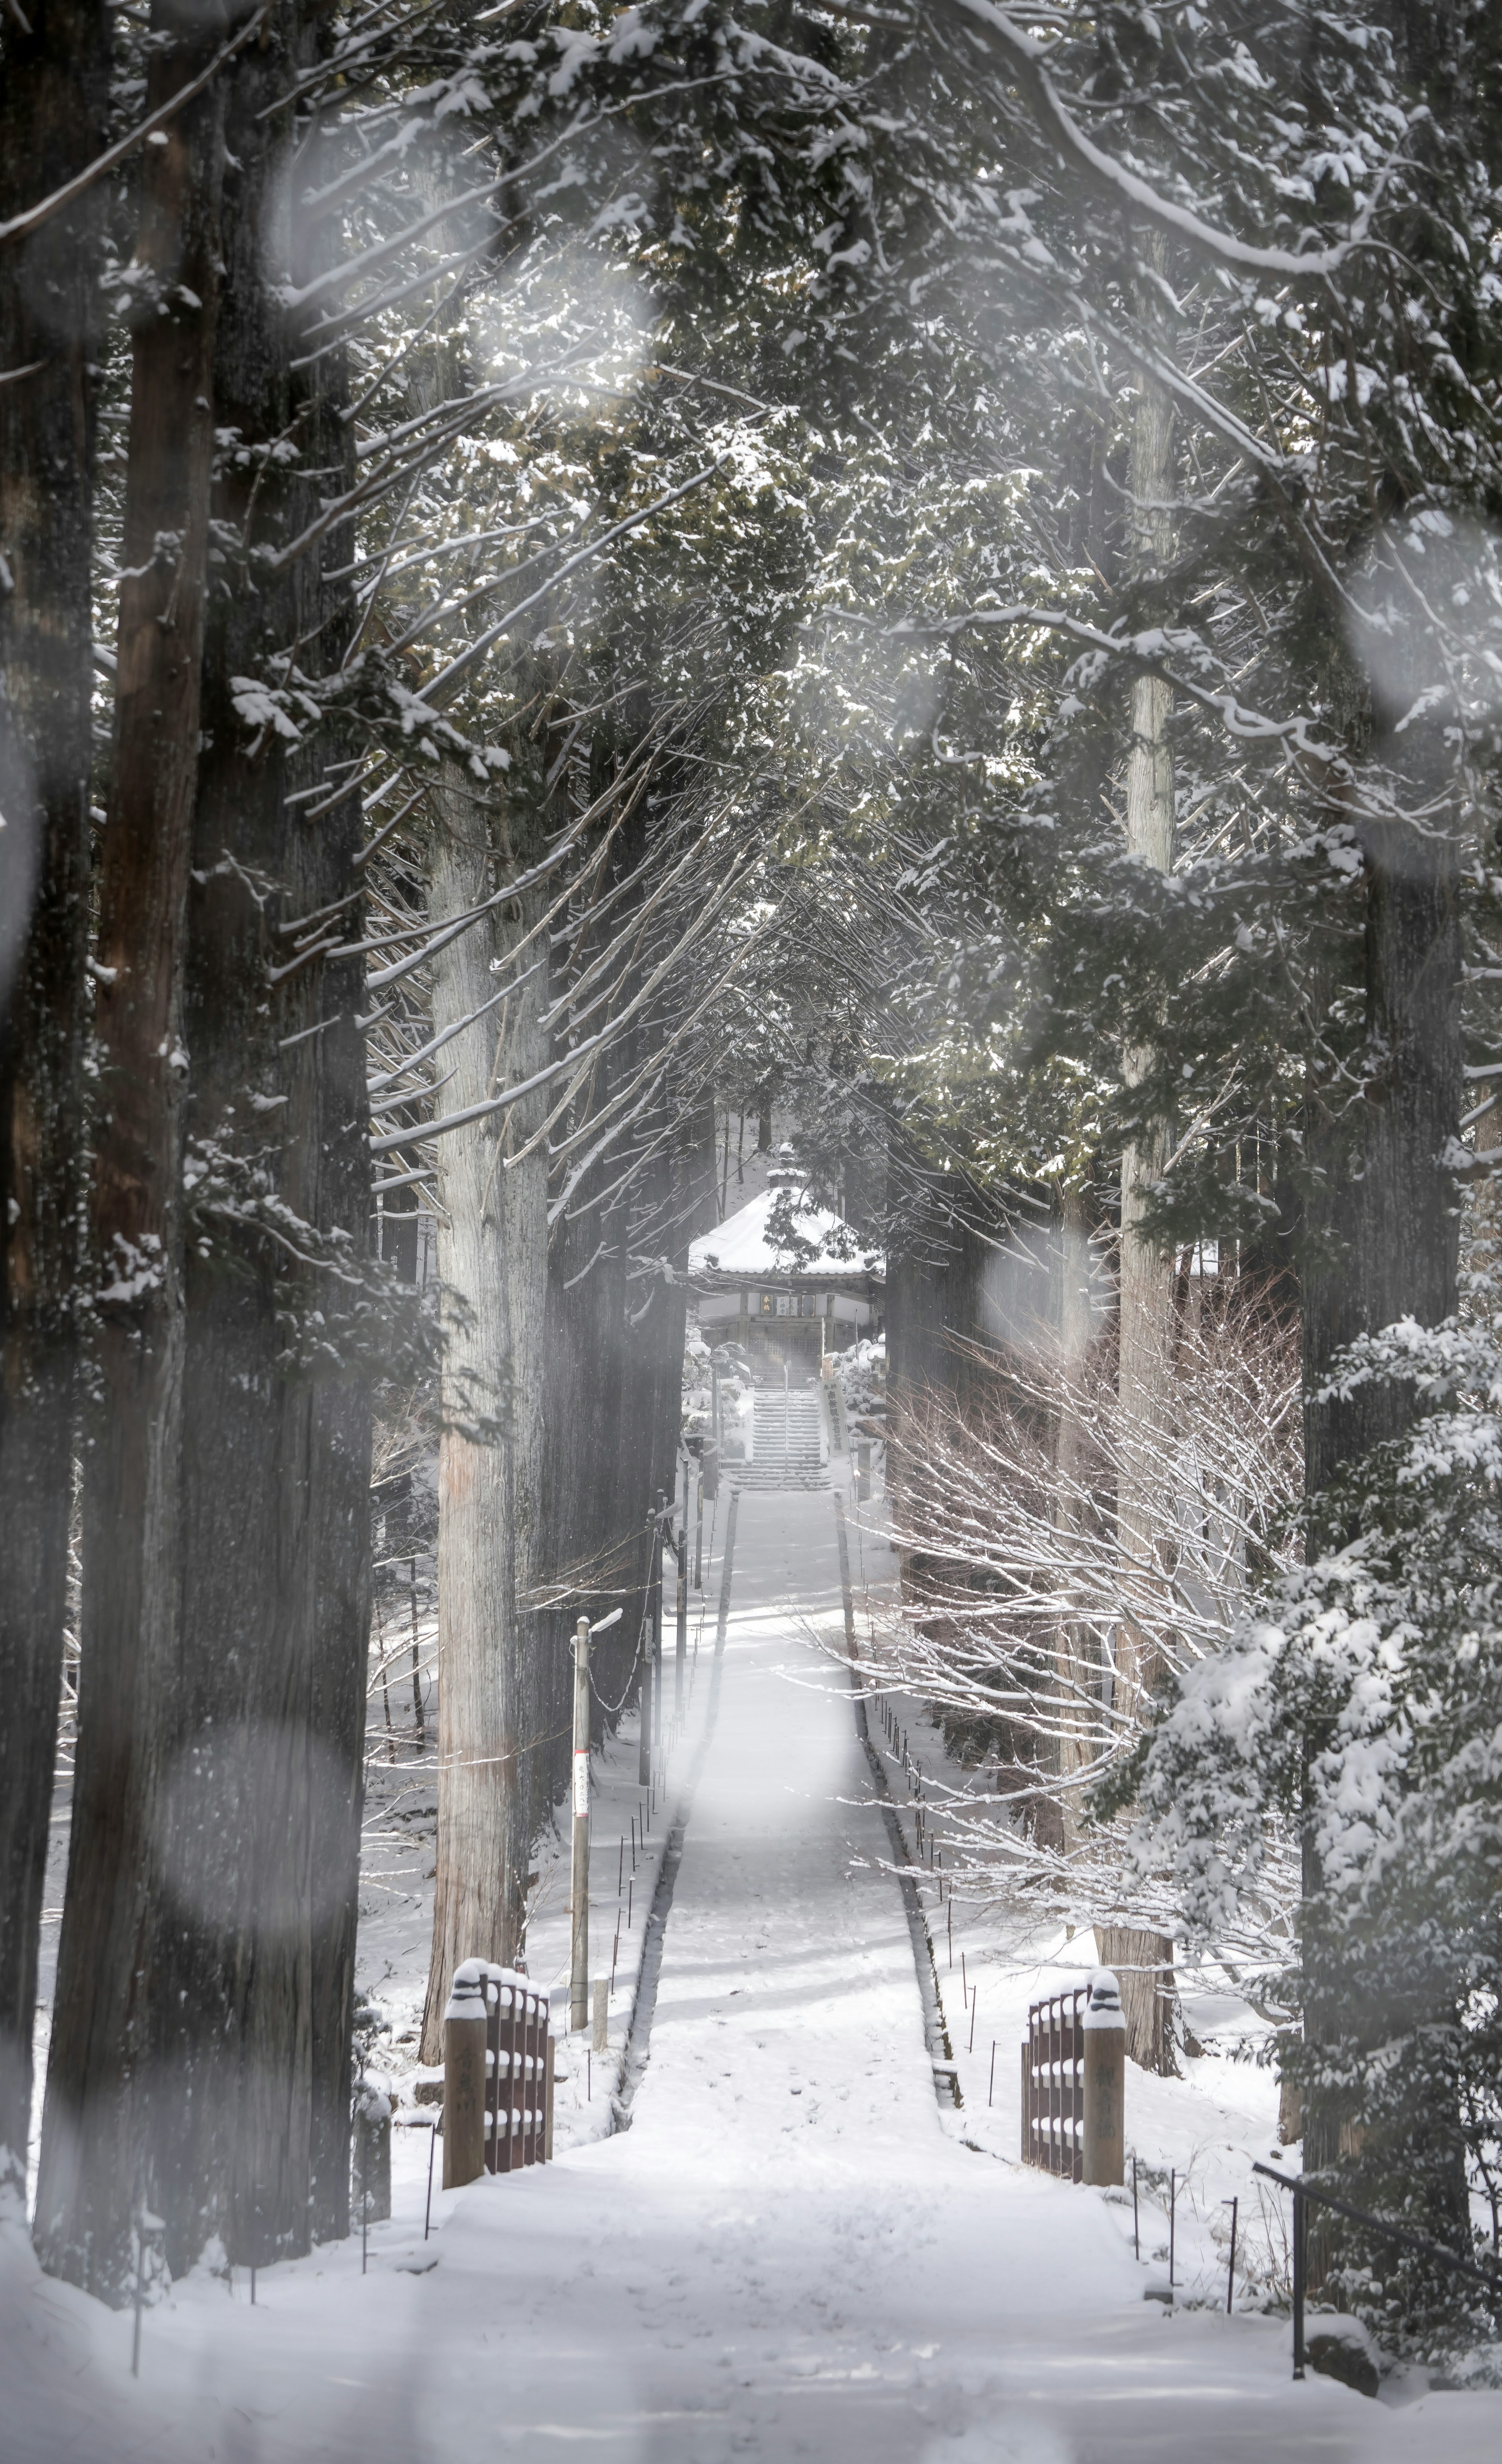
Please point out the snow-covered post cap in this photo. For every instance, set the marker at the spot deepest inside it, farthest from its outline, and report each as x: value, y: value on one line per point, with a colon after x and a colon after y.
x: 465, y: 2062
x: 1103, y: 2135
x: 467, y: 1993
x: 1103, y: 2008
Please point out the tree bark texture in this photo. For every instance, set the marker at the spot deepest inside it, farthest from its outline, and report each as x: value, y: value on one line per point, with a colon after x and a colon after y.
x: 1143, y: 1966
x: 1145, y: 1372
x: 1385, y: 1206
x: 99, y: 2081
x: 1078, y: 1668
x: 1381, y: 1234
x: 254, y: 1941
x: 1385, y: 1217
x: 593, y: 1546
x: 54, y: 94
x: 492, y: 1265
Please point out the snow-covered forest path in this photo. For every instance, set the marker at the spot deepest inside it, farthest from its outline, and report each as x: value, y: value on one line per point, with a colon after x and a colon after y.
x: 789, y: 2253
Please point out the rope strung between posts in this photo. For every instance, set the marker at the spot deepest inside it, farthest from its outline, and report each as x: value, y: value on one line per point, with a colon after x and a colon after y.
x: 636, y: 1658
x: 657, y: 1514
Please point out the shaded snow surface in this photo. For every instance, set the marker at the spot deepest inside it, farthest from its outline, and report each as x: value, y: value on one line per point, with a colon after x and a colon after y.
x: 791, y: 2251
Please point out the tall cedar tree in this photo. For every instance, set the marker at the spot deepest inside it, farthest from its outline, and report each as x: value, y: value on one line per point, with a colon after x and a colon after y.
x: 201, y: 2045
x: 53, y: 93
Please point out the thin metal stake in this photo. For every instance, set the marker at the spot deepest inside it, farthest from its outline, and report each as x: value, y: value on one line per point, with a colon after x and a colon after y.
x: 1137, y: 2238
x: 630, y: 1887
x: 1230, y: 2272
x: 135, y: 2342
x: 991, y: 2090
x: 427, y: 2213
x: 1173, y: 2194
x: 952, y: 1934
x: 974, y: 2003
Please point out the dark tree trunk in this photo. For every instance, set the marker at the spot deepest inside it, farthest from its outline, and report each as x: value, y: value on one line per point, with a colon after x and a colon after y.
x: 1389, y: 1208
x: 595, y: 1500
x: 100, y: 2080
x: 254, y: 1964
x: 53, y: 82
x: 589, y: 1547
x: 1385, y: 1220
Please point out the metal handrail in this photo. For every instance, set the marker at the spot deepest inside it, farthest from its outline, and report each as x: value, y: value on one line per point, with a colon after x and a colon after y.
x: 1301, y: 2189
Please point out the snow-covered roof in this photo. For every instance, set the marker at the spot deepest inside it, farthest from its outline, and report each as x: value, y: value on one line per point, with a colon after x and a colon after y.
x: 743, y: 1244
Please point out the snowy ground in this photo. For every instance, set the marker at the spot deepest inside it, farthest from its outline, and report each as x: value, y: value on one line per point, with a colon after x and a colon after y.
x: 795, y: 2249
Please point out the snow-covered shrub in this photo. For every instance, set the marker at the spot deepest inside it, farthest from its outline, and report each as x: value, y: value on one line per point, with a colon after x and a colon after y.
x: 1017, y: 1585
x: 726, y: 1366
x: 860, y: 1375
x: 1359, y: 1713
x: 698, y: 1389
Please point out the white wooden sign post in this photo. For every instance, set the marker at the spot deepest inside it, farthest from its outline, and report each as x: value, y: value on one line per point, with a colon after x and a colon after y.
x: 579, y: 1966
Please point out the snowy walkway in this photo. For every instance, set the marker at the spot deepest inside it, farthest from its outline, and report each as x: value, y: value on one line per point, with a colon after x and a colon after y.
x: 788, y: 2254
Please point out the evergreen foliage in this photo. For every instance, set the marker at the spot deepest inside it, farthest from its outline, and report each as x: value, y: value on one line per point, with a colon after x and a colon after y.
x: 1357, y: 1712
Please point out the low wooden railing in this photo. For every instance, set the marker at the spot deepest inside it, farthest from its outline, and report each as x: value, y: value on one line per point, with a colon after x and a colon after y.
x: 498, y: 2087
x: 1053, y: 2086
x: 1073, y: 2081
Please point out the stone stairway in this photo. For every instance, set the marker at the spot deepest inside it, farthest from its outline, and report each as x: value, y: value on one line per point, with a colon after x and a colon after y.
x: 789, y: 1440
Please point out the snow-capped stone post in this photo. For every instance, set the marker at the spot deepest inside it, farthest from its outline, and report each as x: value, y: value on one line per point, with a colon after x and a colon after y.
x: 371, y: 2151
x: 578, y: 1902
x: 1104, y: 2027
x: 464, y: 2075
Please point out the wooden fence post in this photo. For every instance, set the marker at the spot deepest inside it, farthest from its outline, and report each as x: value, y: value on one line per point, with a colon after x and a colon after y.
x: 579, y: 1904
x: 723, y: 1628
x: 643, y: 1765
x: 842, y: 1538
x: 508, y: 2005
x: 1104, y: 2030
x: 658, y: 1530
x: 464, y: 2075
x: 600, y: 2038
x: 531, y: 2077
x: 682, y: 1554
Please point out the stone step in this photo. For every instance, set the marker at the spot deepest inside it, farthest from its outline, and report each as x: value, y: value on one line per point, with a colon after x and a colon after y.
x: 788, y: 1441
x: 763, y: 1477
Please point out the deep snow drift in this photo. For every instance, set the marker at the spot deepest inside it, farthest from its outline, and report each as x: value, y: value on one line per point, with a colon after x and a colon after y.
x: 792, y: 2249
